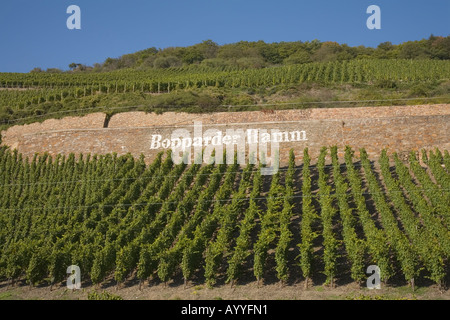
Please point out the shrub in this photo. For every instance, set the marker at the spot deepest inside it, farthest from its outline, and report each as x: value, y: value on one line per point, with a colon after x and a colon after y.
x: 178, y: 99
x: 103, y: 296
x: 386, y: 84
x: 166, y: 62
x: 243, y: 99
x: 419, y: 90
x: 207, y: 101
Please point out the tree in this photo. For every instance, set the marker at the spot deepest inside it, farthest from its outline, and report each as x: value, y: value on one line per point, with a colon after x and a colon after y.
x: 73, y: 65
x: 413, y: 50
x: 440, y: 47
x: 301, y: 56
x: 208, y: 49
x: 328, y: 52
x: 250, y: 62
x: 386, y: 46
x: 271, y: 54
x: 53, y: 70
x: 166, y: 62
x: 192, y: 56
x: 36, y: 70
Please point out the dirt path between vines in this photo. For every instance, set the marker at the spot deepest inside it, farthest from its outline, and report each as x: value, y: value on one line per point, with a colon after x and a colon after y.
x: 248, y: 291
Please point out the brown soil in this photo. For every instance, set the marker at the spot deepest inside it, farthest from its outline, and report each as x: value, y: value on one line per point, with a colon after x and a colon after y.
x: 17, y: 89
x: 249, y: 291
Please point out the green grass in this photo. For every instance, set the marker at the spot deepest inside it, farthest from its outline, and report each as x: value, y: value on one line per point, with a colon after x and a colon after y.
x: 8, y: 295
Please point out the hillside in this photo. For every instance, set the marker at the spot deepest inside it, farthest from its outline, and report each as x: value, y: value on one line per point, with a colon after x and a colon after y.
x: 241, y: 76
x: 120, y: 220
x: 259, y: 54
x: 88, y: 177
x: 26, y: 98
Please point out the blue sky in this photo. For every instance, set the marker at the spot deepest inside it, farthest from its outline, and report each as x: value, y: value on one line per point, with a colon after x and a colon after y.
x: 34, y: 33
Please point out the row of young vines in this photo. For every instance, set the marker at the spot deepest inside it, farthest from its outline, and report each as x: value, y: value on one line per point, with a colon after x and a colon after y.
x: 119, y: 219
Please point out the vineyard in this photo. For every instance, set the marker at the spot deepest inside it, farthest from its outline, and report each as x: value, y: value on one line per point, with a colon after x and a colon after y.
x: 33, y: 95
x: 155, y: 81
x: 320, y: 221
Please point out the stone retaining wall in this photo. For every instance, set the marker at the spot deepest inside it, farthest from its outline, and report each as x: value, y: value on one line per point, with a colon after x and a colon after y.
x: 399, y: 129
